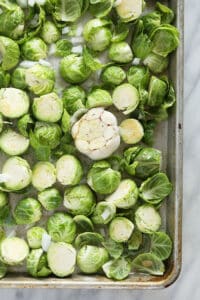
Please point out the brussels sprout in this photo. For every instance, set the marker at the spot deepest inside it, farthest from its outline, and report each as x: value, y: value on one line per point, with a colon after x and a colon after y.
x: 50, y: 33
x: 61, y: 259
x: 69, y: 170
x: 167, y: 15
x: 125, y: 195
x: 113, y: 75
x: 40, y: 79
x: 142, y: 162
x: 18, y: 78
x: 16, y: 165
x: 34, y: 49
x: 88, y: 238
x: 37, y: 265
x: 138, y: 76
x: 23, y: 125
x: 48, y: 134
x: 91, y: 60
x: 156, y: 188
x: 14, y: 103
x: 83, y: 223
x: 126, y: 98
x: 147, y: 219
x: 157, y: 91
x: 120, y: 229
x: 117, y: 269
x: 13, y: 143
x: 67, y: 10
x: 61, y: 227
x: 74, y: 98
x: 97, y: 35
x: 3, y: 270
x: 102, y: 178
x: 156, y: 63
x: 3, y: 202
x: 104, y: 212
x: 129, y: 10
x: 50, y: 198
x: 79, y: 200
x: 13, y: 250
x: 65, y: 122
x: 101, y: 8
x: 135, y: 240
x: 142, y: 44
x: 9, y: 52
x: 131, y: 131
x: 114, y: 249
x: 4, y: 78
x: 44, y: 175
x: 148, y: 263
x: 165, y: 39
x: 48, y: 108
x: 120, y: 52
x: 161, y: 245
x: 96, y: 134
x: 151, y: 21
x: 63, y: 48
x: 98, y: 98
x: 90, y: 259
x: 73, y: 69
x: 34, y: 237
x: 27, y: 211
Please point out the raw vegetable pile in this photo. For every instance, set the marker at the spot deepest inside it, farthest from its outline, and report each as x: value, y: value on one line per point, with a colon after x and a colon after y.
x: 83, y: 85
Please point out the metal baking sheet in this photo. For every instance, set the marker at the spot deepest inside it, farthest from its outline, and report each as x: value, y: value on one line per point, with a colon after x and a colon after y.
x: 169, y: 140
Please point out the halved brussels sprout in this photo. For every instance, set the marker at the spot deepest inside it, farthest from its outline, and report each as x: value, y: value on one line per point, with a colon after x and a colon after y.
x: 73, y: 69
x: 13, y: 143
x: 114, y: 249
x: 40, y: 79
x: 97, y: 35
x: 34, y: 237
x: 135, y: 240
x: 27, y: 211
x: 98, y: 98
x: 120, y: 229
x: 104, y: 212
x: 14, y: 103
x: 34, y: 49
x: 37, y: 265
x: 50, y: 33
x: 88, y: 238
x: 142, y: 162
x: 131, y: 131
x: 48, y: 134
x: 43, y: 175
x: 120, y: 52
x: 67, y: 10
x: 69, y: 170
x: 148, y: 263
x: 4, y: 78
x: 74, y: 98
x: 126, y: 98
x: 16, y: 165
x: 79, y: 200
x: 9, y: 53
x: 113, y: 75
x: 3, y: 270
x: 61, y: 259
x: 161, y: 245
x: 90, y: 259
x: 157, y: 91
x: 155, y: 188
x: 157, y: 64
x: 147, y: 219
x: 102, y: 178
x: 18, y: 78
x: 117, y: 269
x: 138, y: 76
x: 48, y: 108
x: 83, y: 223
x: 13, y: 250
x: 61, y: 227
x: 129, y: 10
x: 50, y: 198
x: 125, y: 195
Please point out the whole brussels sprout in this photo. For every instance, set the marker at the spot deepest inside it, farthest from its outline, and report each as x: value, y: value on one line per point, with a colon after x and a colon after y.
x: 44, y: 175
x: 98, y: 98
x: 9, y: 52
x: 13, y: 250
x: 120, y: 52
x: 34, y: 49
x: 97, y: 35
x: 113, y: 75
x: 90, y: 259
x: 61, y: 227
x: 18, y: 79
x: 50, y: 33
x: 48, y: 134
x: 27, y: 211
x: 4, y: 78
x: 138, y: 76
x: 73, y: 69
x: 79, y: 200
x: 40, y: 79
x: 50, y: 198
x: 37, y: 265
x: 120, y: 229
x: 104, y: 212
x: 34, y: 237
x: 74, y: 98
x: 102, y: 178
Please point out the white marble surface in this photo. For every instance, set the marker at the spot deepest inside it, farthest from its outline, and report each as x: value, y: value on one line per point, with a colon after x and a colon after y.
x: 188, y: 285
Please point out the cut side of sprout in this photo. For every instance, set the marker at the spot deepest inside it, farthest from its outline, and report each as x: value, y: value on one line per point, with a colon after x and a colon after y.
x: 14, y: 250
x: 120, y: 229
x: 44, y: 175
x: 147, y: 219
x: 61, y: 259
x: 13, y: 143
x: 129, y: 10
x: 131, y: 131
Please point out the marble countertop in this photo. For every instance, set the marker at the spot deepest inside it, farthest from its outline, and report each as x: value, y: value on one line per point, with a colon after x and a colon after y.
x: 188, y: 283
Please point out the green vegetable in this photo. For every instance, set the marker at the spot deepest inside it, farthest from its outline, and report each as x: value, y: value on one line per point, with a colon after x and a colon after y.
x: 147, y: 219
x: 24, y: 124
x: 113, y: 75
x: 65, y: 122
x: 34, y: 49
x: 67, y: 10
x: 88, y: 238
x: 34, y: 237
x: 3, y: 270
x: 47, y: 134
x: 156, y: 63
x: 50, y: 198
x: 114, y: 249
x: 37, y: 265
x: 129, y: 10
x: 167, y: 15
x: 104, y: 212
x: 98, y: 98
x: 50, y: 33
x: 13, y: 143
x: 44, y: 175
x: 117, y: 269
x: 83, y: 223
x: 120, y: 229
x: 27, y: 211
x: 4, y: 78
x: 3, y: 201
x: 11, y: 257
x: 161, y: 245
x: 63, y: 48
x: 138, y: 76
x: 131, y: 131
x: 120, y: 52
x: 101, y: 8
x: 9, y: 51
x: 74, y: 98
x: 157, y: 91
x: 148, y: 263
x: 18, y: 78
x: 135, y: 240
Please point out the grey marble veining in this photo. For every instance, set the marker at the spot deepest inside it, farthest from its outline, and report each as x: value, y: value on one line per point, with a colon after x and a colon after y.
x: 188, y: 285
